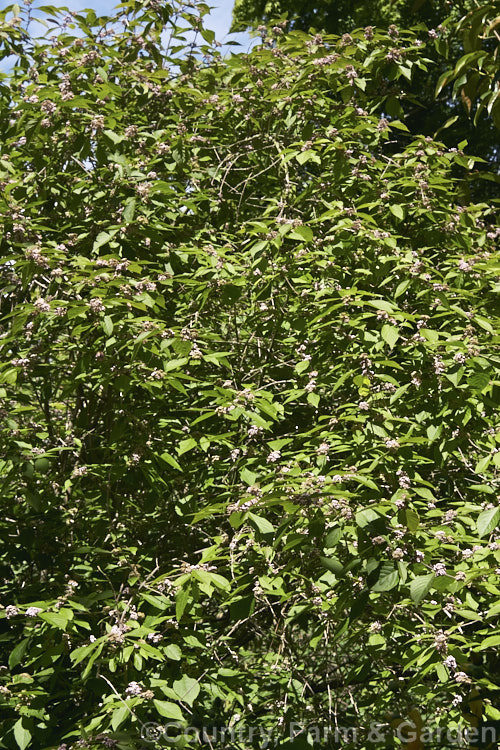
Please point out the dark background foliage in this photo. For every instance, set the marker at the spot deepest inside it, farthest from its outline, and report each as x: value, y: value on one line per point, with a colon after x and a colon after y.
x: 455, y: 29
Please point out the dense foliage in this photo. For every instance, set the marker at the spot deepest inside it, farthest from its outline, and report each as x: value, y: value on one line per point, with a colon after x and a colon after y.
x: 341, y: 16
x: 249, y: 371
x: 461, y: 44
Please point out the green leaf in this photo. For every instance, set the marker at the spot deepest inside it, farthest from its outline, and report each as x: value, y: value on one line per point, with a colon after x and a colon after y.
x: 492, y: 712
x: 181, y: 600
x: 159, y: 602
x: 489, y: 642
x: 482, y: 488
x: 420, y: 587
x: 433, y: 432
x: 487, y: 521
x: 333, y: 538
x: 484, y: 323
x: 390, y: 334
x: 186, y: 445
x: 129, y: 210
x: 449, y: 122
x: 208, y: 580
x: 249, y: 477
x: 483, y: 464
x: 401, y: 288
x: 402, y: 570
x: 17, y: 654
x: 398, y: 211
x: 442, y: 673
x: 208, y: 35
x: 187, y: 689
x: 107, y: 325
x: 114, y: 137
x: 171, y: 461
x: 102, y: 239
x: 313, y: 399
x: 302, y: 366
x: 81, y: 653
x: 443, y: 79
x: 172, y: 651
x: 333, y: 564
x: 96, y: 652
x: 302, y: 233
x: 399, y: 125
x: 263, y: 525
x: 430, y: 334
x: 388, y: 578
x: 412, y: 519
x: 21, y: 733
x: 308, y: 155
x: 58, y: 619
x: 174, y: 364
x: 366, y: 516
x: 118, y: 717
x: 168, y: 710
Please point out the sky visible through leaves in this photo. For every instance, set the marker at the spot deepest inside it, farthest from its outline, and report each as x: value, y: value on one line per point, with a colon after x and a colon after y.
x: 218, y: 21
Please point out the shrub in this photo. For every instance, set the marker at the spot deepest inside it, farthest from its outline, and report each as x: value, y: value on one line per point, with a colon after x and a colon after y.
x: 249, y: 375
